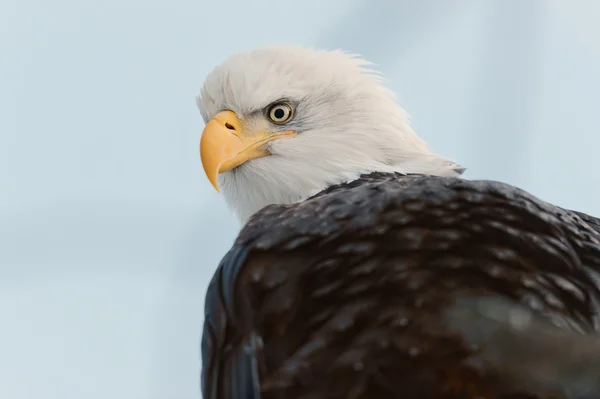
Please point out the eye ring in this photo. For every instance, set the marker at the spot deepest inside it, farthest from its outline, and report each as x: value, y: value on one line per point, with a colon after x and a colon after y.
x: 280, y: 113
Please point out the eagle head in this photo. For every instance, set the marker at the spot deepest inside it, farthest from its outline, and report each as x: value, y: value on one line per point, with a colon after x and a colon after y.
x: 285, y: 122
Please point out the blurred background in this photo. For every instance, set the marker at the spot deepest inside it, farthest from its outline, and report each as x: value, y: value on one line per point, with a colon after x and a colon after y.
x: 109, y: 231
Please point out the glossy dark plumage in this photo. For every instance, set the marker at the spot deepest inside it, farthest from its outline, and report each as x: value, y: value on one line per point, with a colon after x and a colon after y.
x: 350, y: 294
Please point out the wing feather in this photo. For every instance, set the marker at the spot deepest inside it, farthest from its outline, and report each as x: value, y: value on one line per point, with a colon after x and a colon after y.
x: 344, y: 295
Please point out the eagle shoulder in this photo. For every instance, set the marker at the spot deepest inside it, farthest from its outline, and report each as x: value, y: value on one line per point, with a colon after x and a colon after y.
x: 360, y: 262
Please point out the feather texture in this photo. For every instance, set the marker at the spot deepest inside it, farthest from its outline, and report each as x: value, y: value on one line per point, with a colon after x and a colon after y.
x: 347, y: 294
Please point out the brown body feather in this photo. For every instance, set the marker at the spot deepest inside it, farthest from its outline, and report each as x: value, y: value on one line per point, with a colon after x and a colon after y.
x: 346, y: 295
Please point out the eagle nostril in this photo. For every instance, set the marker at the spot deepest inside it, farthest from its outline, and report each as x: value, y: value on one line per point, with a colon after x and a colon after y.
x: 229, y: 126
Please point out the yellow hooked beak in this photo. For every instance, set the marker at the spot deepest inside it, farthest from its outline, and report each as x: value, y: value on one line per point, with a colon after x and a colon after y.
x: 225, y: 145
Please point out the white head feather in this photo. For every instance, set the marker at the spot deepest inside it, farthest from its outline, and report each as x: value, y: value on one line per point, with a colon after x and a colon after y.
x: 348, y: 124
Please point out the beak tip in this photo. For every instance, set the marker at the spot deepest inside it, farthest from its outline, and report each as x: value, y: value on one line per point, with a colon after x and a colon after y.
x: 214, y: 182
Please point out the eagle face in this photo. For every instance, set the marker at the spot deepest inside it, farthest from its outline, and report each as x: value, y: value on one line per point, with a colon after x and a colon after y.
x: 285, y: 122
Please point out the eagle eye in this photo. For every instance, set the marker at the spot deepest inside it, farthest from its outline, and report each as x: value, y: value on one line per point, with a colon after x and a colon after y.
x: 280, y: 113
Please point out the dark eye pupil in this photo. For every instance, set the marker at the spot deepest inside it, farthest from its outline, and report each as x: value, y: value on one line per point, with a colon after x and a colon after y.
x: 279, y: 113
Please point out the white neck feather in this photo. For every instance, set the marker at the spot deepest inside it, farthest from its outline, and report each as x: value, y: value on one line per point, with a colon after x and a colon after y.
x: 281, y: 180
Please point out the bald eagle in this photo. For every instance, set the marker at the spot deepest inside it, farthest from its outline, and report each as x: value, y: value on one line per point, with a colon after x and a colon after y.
x: 362, y: 251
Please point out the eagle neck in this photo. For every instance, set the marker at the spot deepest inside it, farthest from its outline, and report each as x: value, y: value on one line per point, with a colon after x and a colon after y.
x: 363, y: 178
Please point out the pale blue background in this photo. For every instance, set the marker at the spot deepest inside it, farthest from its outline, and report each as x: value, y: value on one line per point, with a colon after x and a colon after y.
x: 109, y: 230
